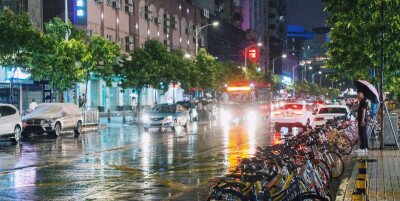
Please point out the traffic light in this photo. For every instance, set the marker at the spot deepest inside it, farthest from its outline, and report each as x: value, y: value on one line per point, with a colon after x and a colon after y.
x: 253, y: 53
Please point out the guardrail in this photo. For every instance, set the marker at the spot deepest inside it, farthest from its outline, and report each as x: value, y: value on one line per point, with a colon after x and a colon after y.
x: 90, y: 115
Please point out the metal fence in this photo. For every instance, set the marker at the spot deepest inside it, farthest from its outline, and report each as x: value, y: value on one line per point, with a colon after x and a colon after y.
x: 90, y: 115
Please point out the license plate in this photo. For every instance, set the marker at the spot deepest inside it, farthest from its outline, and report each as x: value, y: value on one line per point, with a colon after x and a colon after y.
x: 287, y: 115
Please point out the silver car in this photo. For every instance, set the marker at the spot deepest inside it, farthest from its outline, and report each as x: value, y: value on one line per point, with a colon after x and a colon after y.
x: 166, y: 116
x: 52, y: 118
x: 10, y: 122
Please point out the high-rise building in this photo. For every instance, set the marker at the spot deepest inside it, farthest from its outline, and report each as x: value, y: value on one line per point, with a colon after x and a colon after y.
x: 33, y: 7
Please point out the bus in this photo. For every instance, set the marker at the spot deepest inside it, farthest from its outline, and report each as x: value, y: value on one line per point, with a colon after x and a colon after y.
x: 244, y: 96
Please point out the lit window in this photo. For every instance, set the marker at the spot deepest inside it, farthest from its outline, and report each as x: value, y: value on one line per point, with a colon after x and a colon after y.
x: 79, y: 3
x: 79, y: 13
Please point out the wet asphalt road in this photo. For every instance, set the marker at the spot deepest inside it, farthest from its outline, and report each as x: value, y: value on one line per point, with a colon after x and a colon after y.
x: 122, y: 162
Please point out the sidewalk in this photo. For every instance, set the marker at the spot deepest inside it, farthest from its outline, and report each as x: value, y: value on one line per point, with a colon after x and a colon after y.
x: 383, y: 170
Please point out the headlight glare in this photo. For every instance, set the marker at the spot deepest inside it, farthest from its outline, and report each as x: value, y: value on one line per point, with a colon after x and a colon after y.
x: 145, y: 117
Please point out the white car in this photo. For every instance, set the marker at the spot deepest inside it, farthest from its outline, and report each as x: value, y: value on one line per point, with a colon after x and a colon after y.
x: 10, y: 122
x: 328, y: 112
x: 293, y: 115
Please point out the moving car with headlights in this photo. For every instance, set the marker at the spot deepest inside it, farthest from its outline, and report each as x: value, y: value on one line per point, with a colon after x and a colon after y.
x: 166, y: 116
x: 328, y: 112
x: 10, y: 123
x: 52, y: 118
x: 293, y: 115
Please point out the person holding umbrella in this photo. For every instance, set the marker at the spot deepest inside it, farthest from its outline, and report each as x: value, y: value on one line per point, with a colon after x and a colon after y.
x: 362, y: 122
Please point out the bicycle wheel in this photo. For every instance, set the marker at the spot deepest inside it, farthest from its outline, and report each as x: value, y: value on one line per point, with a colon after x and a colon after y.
x: 343, y: 144
x: 323, y: 175
x: 309, y: 196
x: 335, y: 162
x: 326, y: 168
x: 226, y: 195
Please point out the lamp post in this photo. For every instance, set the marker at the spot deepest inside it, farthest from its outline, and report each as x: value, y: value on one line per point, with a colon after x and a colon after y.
x: 273, y: 62
x: 197, y: 32
x: 293, y: 67
x: 312, y: 76
x: 245, y: 53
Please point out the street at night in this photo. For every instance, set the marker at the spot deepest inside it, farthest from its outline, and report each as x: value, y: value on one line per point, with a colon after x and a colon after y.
x: 122, y: 162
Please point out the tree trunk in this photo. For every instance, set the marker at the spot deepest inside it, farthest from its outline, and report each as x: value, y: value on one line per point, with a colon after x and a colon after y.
x: 138, y: 101
x: 86, y: 89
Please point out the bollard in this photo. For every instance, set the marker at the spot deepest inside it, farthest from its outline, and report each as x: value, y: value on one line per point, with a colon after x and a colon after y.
x: 358, y: 197
x: 109, y: 115
x: 362, y: 170
x: 123, y: 115
x: 361, y: 186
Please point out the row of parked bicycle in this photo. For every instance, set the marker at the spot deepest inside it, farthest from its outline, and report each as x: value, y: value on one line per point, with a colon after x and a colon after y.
x: 302, y: 167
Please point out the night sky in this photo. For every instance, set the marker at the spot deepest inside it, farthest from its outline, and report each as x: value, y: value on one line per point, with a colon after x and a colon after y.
x: 308, y: 13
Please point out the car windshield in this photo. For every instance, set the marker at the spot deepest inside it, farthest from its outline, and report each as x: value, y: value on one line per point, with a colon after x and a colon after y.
x: 186, y: 105
x: 292, y: 106
x: 164, y: 109
x: 335, y: 110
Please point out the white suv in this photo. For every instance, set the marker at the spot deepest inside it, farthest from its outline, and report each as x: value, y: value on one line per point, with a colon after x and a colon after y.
x: 10, y: 122
x: 293, y: 115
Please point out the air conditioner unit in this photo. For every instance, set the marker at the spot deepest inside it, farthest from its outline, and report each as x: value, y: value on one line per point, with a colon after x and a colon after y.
x: 129, y: 39
x: 167, y: 42
x: 128, y: 2
x: 205, y: 13
x: 98, y: 1
x: 157, y: 20
x: 174, y: 20
x: 166, y: 30
x: 201, y: 42
x: 166, y: 16
x: 129, y: 9
x: 149, y: 15
x: 115, y: 5
x: 189, y: 31
x: 174, y: 26
x: 167, y: 23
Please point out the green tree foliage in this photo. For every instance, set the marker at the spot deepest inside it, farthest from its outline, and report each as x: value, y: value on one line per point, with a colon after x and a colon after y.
x: 275, y: 82
x: 252, y: 73
x: 356, y: 39
x: 18, y: 38
x: 137, y: 71
x: 56, y: 59
x: 206, y: 70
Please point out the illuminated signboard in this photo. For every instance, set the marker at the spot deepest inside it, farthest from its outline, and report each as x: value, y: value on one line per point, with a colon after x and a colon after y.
x: 253, y: 54
x: 80, y: 12
x: 286, y: 80
x: 239, y: 88
x: 18, y: 74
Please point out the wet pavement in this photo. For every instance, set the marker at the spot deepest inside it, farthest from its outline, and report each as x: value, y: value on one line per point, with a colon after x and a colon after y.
x: 122, y: 162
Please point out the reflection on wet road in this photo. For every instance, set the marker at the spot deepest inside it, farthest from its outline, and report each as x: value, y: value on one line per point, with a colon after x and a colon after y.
x: 123, y: 162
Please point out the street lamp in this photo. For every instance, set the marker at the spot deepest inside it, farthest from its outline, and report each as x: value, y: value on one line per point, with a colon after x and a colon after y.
x: 199, y: 29
x: 273, y: 62
x: 319, y: 72
x: 293, y: 67
x: 245, y: 53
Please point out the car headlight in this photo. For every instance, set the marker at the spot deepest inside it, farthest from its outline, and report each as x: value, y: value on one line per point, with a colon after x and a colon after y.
x: 145, y: 117
x: 168, y: 118
x: 51, y: 120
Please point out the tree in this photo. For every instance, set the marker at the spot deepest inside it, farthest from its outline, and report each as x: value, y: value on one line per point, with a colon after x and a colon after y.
x: 56, y: 59
x: 275, y: 81
x: 355, y: 45
x: 252, y: 72
x: 205, y: 65
x: 137, y: 71
x: 99, y: 57
x: 17, y: 41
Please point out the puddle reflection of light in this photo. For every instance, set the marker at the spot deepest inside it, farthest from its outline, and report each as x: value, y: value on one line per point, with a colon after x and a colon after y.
x: 145, y: 142
x: 239, y: 145
x: 170, y: 151
x: 277, y: 138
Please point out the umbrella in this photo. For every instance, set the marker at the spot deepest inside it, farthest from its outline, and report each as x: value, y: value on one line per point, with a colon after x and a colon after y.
x: 368, y: 89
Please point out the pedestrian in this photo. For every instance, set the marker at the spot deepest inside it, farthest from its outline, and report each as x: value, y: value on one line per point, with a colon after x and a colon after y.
x: 199, y: 110
x: 133, y: 104
x: 80, y: 101
x: 362, y: 122
x: 33, y: 105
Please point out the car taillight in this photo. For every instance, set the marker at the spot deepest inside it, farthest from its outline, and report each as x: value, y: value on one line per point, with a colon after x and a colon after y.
x: 276, y: 152
x: 277, y: 113
x: 298, y: 113
x: 300, y: 147
x: 319, y: 118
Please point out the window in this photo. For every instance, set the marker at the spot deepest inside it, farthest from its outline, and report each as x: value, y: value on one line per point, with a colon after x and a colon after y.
x: 141, y: 12
x: 6, y: 111
x: 108, y: 3
x: 121, y: 42
x: 120, y: 4
x: 90, y: 33
x: 109, y: 37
